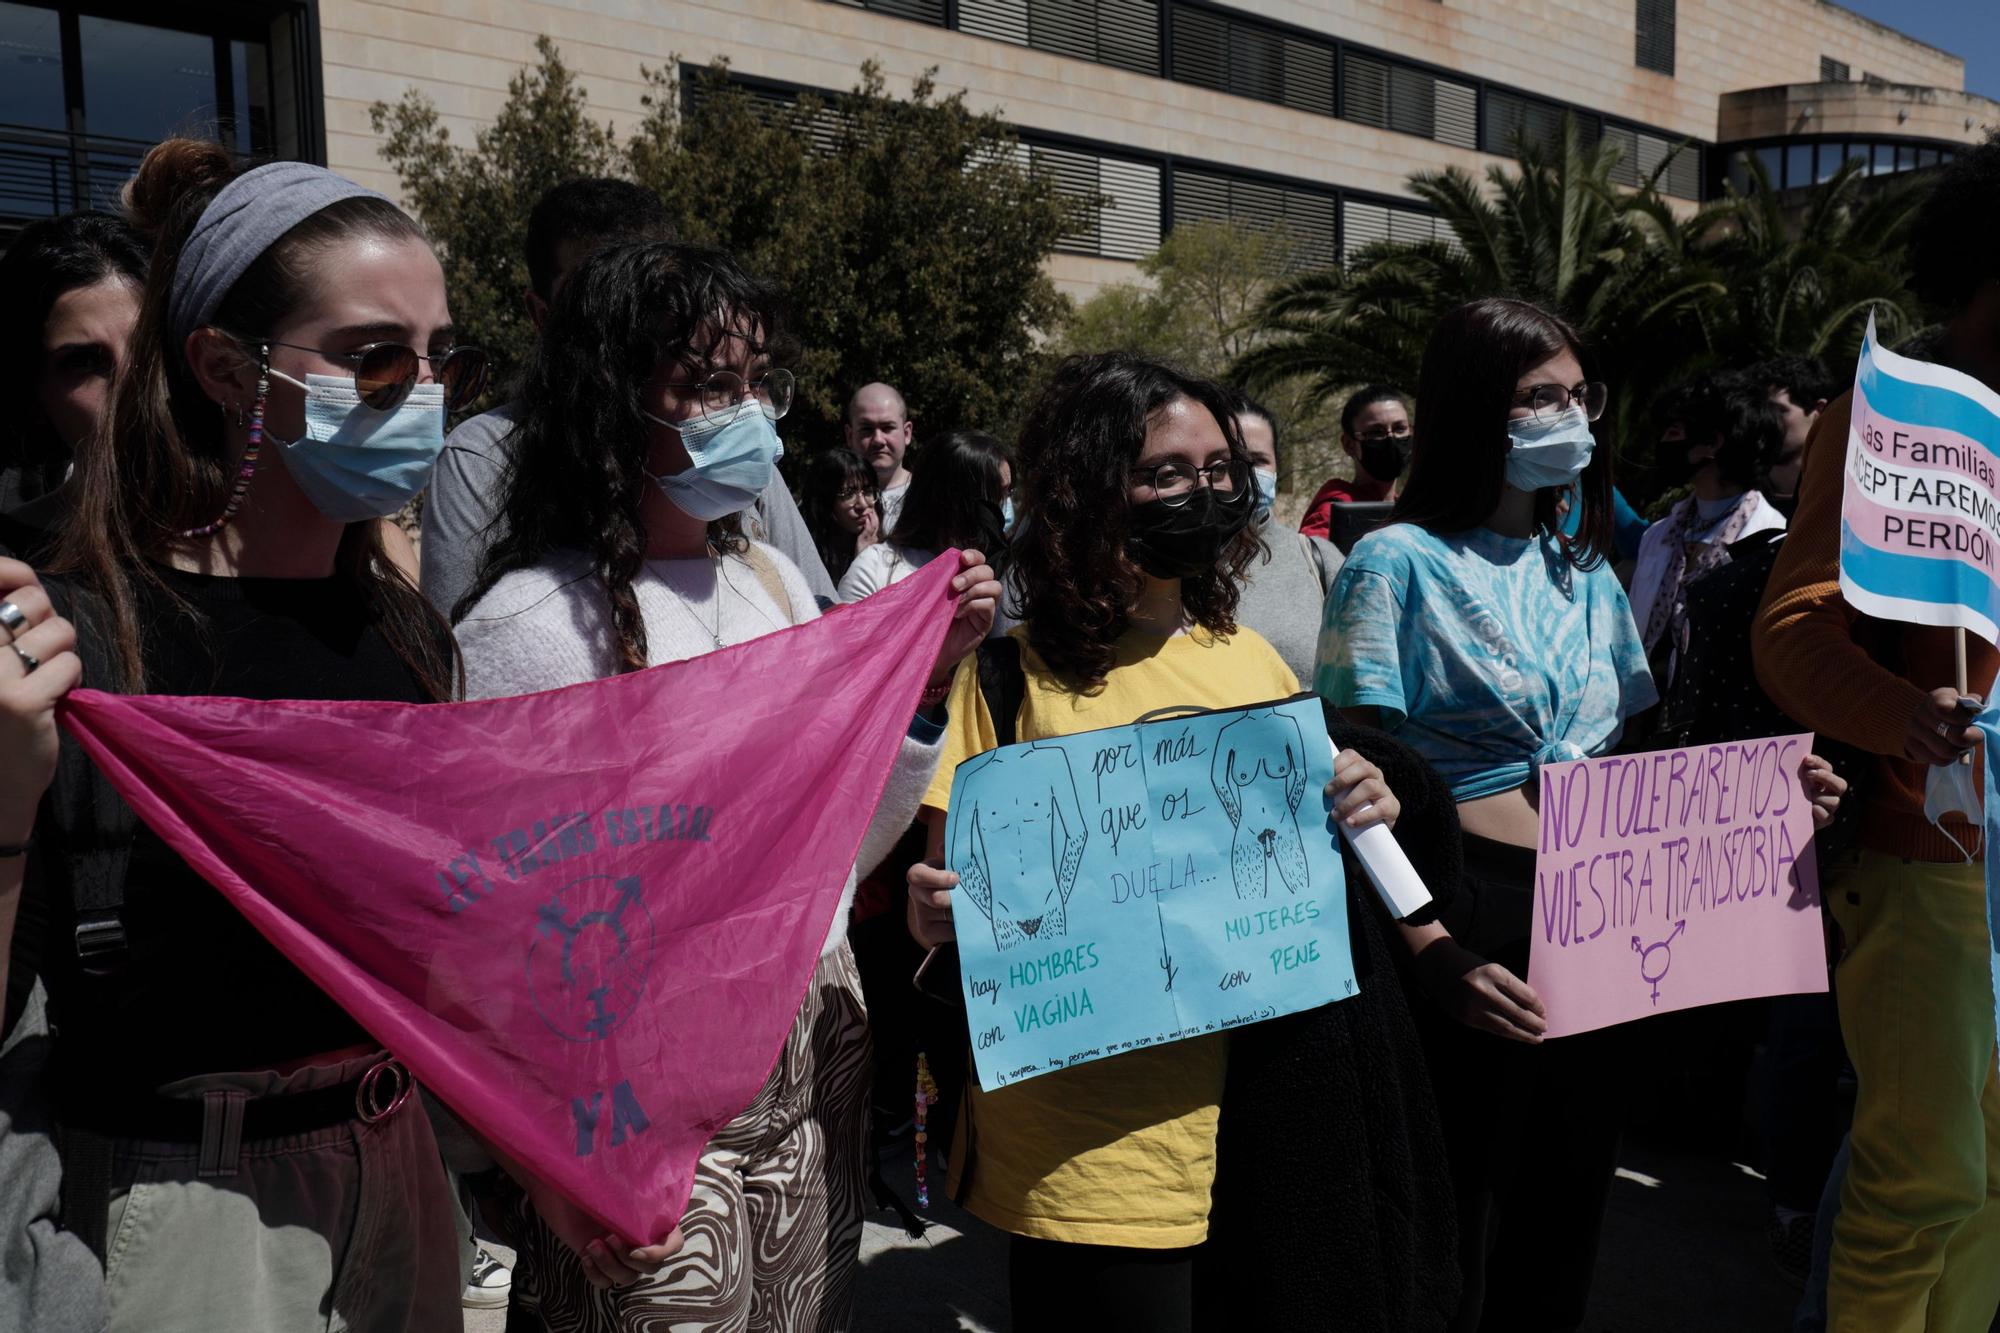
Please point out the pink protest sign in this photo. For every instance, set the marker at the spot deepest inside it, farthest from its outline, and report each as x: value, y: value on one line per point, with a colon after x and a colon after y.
x: 1674, y: 878
x: 583, y: 918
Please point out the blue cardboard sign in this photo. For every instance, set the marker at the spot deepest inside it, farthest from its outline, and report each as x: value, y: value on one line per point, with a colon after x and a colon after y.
x: 1142, y: 884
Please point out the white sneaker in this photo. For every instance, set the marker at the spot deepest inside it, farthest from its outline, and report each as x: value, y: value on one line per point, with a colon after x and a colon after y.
x: 490, y: 1283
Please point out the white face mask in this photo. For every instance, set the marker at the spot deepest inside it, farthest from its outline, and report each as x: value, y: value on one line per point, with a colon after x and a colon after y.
x: 1548, y: 453
x: 1953, y: 789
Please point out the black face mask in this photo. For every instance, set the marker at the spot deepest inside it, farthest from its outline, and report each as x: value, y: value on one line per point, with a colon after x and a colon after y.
x: 1385, y: 459
x: 1185, y: 542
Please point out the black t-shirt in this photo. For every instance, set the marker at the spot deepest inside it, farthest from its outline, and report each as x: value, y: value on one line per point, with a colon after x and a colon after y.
x: 203, y: 992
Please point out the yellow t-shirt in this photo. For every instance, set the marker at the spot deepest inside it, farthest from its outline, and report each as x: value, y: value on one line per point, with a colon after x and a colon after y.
x: 1120, y: 1151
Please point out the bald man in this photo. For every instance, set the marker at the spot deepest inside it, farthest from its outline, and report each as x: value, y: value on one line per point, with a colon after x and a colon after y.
x: 878, y: 428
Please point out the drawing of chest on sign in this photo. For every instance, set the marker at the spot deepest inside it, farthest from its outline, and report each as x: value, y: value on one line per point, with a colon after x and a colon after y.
x: 1674, y: 879
x: 1143, y: 884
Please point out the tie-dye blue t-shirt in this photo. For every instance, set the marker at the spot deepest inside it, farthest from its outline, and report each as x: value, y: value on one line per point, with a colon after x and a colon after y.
x: 1488, y: 655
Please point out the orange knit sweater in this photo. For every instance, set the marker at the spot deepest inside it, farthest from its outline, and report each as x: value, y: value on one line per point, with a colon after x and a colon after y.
x: 1850, y: 676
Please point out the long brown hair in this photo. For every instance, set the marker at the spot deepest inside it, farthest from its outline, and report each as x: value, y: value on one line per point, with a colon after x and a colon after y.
x: 1458, y: 458
x: 1078, y: 443
x: 167, y: 466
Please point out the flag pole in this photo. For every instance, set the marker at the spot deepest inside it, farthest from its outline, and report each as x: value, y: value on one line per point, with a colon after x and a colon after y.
x: 1958, y: 656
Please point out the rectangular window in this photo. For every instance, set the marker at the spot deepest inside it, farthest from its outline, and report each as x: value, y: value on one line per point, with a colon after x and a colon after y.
x: 1397, y: 97
x: 1364, y: 224
x: 1123, y: 217
x: 1512, y: 120
x: 1655, y: 44
x: 1906, y: 156
x: 1773, y: 162
x: 1831, y: 70
x: 1885, y: 159
x: 1307, y: 217
x: 1798, y: 165
x: 1831, y: 155
x: 1002, y: 20
x: 922, y: 11
x: 1124, y: 34
x: 1214, y: 51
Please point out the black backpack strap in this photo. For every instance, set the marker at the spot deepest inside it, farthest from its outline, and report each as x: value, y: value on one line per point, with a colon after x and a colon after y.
x: 93, y: 826
x: 1003, y: 683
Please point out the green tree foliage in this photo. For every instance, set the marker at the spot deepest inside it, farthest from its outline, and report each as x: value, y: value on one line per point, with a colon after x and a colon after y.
x: 475, y: 201
x: 908, y: 233
x: 1658, y: 293
x: 1198, y: 308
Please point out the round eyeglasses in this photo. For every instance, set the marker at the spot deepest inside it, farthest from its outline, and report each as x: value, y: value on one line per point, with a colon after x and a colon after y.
x: 724, y: 389
x: 1546, y: 402
x: 1174, y: 483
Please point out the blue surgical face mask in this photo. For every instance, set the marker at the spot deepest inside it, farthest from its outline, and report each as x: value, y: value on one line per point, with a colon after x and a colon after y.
x: 733, y: 457
x: 1007, y: 514
x: 1267, y: 490
x: 1953, y: 789
x: 1548, y: 453
x: 355, y: 463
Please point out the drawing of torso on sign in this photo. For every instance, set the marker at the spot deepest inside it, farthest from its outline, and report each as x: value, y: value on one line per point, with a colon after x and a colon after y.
x: 1020, y: 850
x: 1260, y: 778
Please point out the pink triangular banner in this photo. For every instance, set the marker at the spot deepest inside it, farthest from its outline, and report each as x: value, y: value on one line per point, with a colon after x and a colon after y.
x: 583, y: 918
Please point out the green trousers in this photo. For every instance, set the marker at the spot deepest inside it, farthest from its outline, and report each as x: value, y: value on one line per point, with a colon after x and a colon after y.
x: 1916, y: 1247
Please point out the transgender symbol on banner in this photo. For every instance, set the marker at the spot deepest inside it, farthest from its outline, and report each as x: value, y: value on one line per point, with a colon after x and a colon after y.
x: 583, y: 918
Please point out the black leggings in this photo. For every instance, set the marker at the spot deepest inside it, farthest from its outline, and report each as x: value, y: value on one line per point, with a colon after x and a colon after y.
x: 1057, y: 1287
x: 1532, y: 1131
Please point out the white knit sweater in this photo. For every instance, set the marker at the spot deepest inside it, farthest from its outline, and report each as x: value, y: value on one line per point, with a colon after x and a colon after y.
x: 550, y: 626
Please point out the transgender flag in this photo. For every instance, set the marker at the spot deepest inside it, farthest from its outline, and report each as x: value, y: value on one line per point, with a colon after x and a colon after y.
x: 584, y: 918
x: 1920, y: 516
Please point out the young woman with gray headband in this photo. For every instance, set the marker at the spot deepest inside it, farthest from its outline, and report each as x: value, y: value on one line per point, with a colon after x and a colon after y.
x: 288, y: 383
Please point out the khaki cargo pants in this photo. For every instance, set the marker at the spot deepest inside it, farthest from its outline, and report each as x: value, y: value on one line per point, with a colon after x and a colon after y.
x: 346, y: 1228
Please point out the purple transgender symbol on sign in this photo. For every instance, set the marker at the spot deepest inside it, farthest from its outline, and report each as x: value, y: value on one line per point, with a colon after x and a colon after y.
x: 1655, y: 959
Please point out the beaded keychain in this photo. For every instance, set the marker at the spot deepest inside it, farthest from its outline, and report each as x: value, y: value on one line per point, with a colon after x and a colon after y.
x: 927, y: 1095
x: 250, y: 452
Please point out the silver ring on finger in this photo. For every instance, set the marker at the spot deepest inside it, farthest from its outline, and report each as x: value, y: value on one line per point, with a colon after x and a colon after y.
x: 12, y: 618
x: 29, y: 662
x: 1944, y: 731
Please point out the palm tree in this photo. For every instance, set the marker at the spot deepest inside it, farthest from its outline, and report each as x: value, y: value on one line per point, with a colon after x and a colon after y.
x: 1557, y: 231
x: 1657, y: 294
x: 1803, y: 281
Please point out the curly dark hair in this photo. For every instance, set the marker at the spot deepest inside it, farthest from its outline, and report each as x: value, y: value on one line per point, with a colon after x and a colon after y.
x: 1076, y: 588
x: 1951, y: 247
x: 577, y: 479
x: 1804, y: 379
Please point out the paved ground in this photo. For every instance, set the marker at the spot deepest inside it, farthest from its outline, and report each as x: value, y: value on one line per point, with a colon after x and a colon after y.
x: 1683, y: 1250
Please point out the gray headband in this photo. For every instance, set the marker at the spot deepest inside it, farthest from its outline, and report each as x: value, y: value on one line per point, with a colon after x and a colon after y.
x: 239, y: 225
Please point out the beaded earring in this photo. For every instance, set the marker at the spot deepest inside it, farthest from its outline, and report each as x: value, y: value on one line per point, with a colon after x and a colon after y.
x: 250, y: 451
x: 927, y: 1096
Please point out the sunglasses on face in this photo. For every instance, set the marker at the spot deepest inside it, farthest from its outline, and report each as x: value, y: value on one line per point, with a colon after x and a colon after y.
x: 384, y: 373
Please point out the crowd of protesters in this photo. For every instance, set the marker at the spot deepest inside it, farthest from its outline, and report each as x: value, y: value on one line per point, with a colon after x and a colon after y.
x: 226, y: 397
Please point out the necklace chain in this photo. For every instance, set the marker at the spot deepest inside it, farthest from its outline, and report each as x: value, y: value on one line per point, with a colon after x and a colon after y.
x: 721, y: 582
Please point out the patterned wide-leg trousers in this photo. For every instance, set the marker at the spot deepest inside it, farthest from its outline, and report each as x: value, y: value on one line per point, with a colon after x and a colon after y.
x: 773, y: 1230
